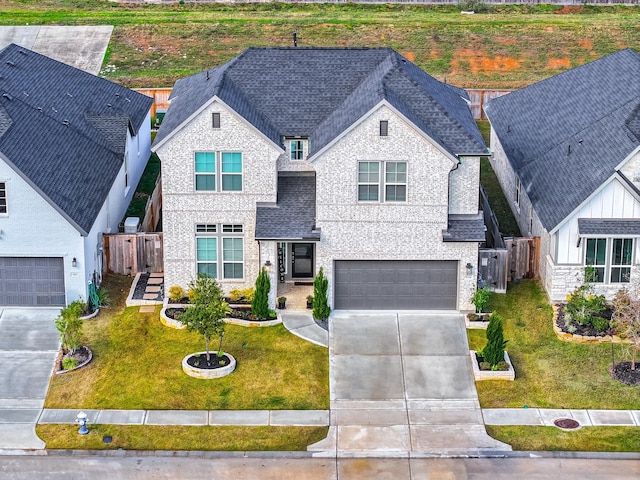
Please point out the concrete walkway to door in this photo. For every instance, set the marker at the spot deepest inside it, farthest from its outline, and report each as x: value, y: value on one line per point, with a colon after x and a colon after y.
x: 402, y: 386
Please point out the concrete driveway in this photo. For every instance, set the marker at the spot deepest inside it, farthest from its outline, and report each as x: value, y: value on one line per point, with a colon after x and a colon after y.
x: 402, y: 385
x: 28, y: 348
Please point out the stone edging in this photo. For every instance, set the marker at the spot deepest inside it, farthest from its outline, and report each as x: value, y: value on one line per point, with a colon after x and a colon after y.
x: 475, y: 324
x: 492, y: 374
x: 93, y: 314
x: 170, y: 322
x: 86, y: 362
x: 208, y: 373
x: 570, y: 337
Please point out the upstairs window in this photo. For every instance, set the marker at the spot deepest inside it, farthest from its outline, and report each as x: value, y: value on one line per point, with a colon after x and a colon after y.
x: 297, y: 149
x: 384, y: 128
x: 396, y: 182
x: 368, y: 181
x: 205, y: 169
x: 215, y: 120
x: 231, y: 171
x: 3, y: 198
x: 393, y: 183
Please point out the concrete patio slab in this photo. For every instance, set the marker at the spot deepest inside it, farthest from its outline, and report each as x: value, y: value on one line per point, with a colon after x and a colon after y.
x: 512, y: 416
x: 374, y: 441
x: 376, y: 335
x: 438, y: 377
x: 239, y: 417
x: 446, y: 417
x: 176, y: 417
x: 19, y: 415
x: 121, y: 417
x: 301, y: 418
x: 362, y: 417
x: 66, y: 416
x: 433, y: 335
x: 147, y: 309
x: 362, y: 377
x: 20, y: 436
x: 611, y: 418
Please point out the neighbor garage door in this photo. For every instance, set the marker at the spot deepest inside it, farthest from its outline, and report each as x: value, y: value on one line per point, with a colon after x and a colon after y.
x: 396, y: 285
x: 31, y: 281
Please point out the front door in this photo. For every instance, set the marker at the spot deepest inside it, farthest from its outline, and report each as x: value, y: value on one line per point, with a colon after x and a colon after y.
x: 302, y: 260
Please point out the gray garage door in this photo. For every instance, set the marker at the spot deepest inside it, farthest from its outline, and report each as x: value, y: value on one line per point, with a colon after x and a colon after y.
x: 396, y: 285
x: 31, y: 281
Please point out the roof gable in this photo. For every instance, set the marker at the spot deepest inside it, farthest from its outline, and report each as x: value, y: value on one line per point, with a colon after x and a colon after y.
x: 565, y: 136
x: 319, y: 92
x: 76, y: 125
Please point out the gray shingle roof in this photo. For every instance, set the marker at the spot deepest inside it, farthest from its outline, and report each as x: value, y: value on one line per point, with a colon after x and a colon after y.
x: 565, y: 135
x: 295, y: 213
x: 465, y: 228
x: 319, y: 92
x: 64, y: 130
x: 608, y: 226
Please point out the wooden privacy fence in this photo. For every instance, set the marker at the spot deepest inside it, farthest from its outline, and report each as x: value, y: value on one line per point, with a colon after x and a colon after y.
x: 153, y: 208
x: 128, y: 254
x: 523, y: 257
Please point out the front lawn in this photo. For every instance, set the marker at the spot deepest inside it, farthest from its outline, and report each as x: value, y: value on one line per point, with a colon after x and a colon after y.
x: 550, y: 373
x: 137, y: 365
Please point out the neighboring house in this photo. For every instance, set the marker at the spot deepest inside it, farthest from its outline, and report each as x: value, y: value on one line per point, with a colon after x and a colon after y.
x: 72, y: 149
x: 349, y: 159
x: 566, y: 152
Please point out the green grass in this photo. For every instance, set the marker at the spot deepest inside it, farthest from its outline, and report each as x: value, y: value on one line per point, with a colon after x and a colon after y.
x: 507, y: 47
x: 137, y: 365
x: 587, y: 439
x: 550, y: 373
x: 139, y: 437
x: 145, y: 188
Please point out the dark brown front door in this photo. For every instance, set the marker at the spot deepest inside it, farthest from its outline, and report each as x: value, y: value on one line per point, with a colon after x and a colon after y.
x: 302, y: 260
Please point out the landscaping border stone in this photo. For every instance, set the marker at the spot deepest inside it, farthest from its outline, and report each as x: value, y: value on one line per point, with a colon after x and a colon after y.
x: 208, y: 373
x: 570, y: 337
x: 479, y: 375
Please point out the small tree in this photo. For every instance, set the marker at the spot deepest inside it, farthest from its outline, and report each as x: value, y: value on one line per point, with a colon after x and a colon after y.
x: 626, y: 319
x: 206, y: 315
x: 493, y: 352
x: 480, y: 298
x: 260, y: 303
x: 69, y: 325
x: 321, y: 309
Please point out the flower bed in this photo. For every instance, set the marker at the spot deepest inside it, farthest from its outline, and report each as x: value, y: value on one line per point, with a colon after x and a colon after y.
x: 239, y: 315
x: 582, y: 333
x: 478, y: 374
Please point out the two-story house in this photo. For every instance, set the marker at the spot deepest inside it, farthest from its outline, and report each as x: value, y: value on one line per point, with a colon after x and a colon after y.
x: 73, y: 147
x: 350, y: 159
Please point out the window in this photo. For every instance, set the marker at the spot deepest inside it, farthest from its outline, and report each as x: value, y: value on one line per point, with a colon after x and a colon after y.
x: 215, y: 120
x: 518, y: 187
x: 297, y: 149
x: 231, y: 171
x: 610, y: 259
x: 205, y: 171
x: 395, y: 182
x: 3, y: 198
x: 384, y: 128
x: 368, y: 181
x: 209, y: 256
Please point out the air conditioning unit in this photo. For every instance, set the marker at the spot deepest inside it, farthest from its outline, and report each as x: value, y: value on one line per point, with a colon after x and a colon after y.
x: 131, y: 225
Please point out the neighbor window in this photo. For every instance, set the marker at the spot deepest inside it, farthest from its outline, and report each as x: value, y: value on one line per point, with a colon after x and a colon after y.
x: 215, y: 120
x: 205, y: 171
x: 231, y: 171
x: 393, y: 183
x: 3, y: 198
x: 297, y: 149
x: 226, y: 262
x: 610, y: 259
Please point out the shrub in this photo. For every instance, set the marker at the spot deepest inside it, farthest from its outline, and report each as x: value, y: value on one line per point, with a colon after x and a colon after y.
x: 493, y: 351
x: 191, y: 295
x: 176, y: 293
x: 480, y: 298
x: 70, y: 363
x: 260, y: 304
x: 583, y: 306
x: 235, y: 295
x: 248, y: 294
x: 69, y: 325
x: 321, y: 309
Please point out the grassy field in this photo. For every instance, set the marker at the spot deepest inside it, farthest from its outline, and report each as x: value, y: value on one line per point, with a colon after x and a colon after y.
x: 137, y: 365
x: 507, y: 47
x: 550, y: 373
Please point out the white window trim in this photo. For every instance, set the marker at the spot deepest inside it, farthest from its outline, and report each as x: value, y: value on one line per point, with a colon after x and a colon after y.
x: 382, y: 182
x: 214, y: 173
x: 218, y: 173
x: 305, y: 148
x: 608, y: 264
x: 222, y: 174
x: 217, y: 231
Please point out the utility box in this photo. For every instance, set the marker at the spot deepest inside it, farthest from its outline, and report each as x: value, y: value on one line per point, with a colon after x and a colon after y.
x: 131, y: 225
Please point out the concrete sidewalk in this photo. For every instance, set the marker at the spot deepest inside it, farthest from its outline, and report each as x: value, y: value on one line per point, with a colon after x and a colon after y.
x: 546, y: 417
x: 304, y: 326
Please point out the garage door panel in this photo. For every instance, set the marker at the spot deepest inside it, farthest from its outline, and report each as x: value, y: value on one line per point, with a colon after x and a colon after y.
x: 393, y: 285
x: 32, y: 281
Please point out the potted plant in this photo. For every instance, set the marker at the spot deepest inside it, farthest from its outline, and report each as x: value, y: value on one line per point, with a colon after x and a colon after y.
x: 282, y: 302
x: 309, y: 301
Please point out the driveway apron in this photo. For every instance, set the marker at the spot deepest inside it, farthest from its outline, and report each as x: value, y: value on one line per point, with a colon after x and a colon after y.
x: 402, y: 385
x: 28, y: 349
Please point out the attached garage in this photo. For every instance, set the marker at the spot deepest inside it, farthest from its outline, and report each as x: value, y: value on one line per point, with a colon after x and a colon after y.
x: 395, y: 285
x: 31, y: 281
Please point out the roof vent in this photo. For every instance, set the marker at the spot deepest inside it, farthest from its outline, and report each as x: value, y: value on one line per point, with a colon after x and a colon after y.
x: 26, y: 94
x: 39, y: 109
x: 109, y: 105
x: 127, y: 99
x: 9, y: 62
x: 69, y: 95
x: 22, y: 52
x: 54, y: 109
x: 117, y: 94
x: 65, y: 122
x: 7, y: 96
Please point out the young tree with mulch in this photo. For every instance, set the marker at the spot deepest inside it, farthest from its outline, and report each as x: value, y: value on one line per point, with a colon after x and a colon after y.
x: 260, y: 303
x: 208, y: 311
x: 493, y: 352
x: 321, y: 309
x: 626, y: 320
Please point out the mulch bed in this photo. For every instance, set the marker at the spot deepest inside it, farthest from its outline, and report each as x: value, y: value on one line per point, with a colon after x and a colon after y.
x: 82, y: 354
x: 141, y: 286
x: 480, y: 360
x: 622, y: 372
x: 584, y: 330
x: 215, y: 361
x: 243, y: 313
